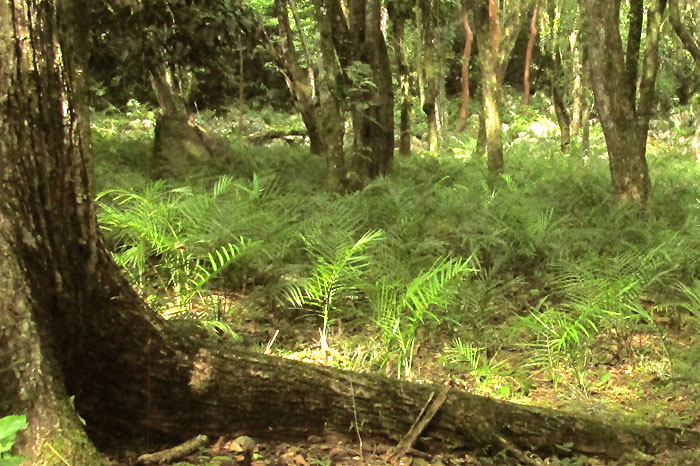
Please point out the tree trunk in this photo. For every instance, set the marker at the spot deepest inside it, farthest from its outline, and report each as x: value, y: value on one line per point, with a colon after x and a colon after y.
x: 625, y: 121
x: 404, y: 80
x: 180, y: 142
x: 682, y: 32
x: 300, y: 81
x: 560, y: 107
x: 430, y: 72
x: 578, y: 89
x: 241, y: 87
x: 466, y: 59
x: 315, y: 99
x: 528, y: 56
x: 331, y: 121
x: 489, y: 37
x: 48, y: 234
x: 373, y: 122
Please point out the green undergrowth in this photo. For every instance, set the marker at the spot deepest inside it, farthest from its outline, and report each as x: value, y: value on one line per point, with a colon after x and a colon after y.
x: 534, y: 279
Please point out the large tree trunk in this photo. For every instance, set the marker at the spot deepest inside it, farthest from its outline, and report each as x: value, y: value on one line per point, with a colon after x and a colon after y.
x: 179, y: 141
x: 373, y: 121
x: 49, y: 244
x: 625, y: 119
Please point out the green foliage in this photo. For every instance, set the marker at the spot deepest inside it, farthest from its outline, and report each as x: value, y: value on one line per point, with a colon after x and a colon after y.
x: 155, y: 228
x: 560, y: 271
x: 402, y: 309
x: 337, y: 276
x: 9, y: 426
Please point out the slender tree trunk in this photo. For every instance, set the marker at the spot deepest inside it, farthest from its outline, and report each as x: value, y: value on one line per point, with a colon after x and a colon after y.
x: 317, y: 100
x: 686, y: 37
x: 300, y: 81
x: 560, y: 108
x: 481, y: 132
x: 241, y: 87
x: 586, y: 128
x: 466, y: 59
x: 331, y: 121
x: 405, y: 84
x: 489, y: 37
x: 164, y: 89
x: 578, y: 89
x: 528, y: 55
x: 430, y: 72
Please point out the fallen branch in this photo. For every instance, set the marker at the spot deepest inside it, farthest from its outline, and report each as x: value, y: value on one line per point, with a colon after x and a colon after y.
x: 174, y: 453
x: 426, y: 415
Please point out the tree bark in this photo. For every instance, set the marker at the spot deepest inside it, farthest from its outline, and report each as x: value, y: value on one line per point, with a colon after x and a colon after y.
x: 45, y: 195
x: 560, y: 107
x: 578, y: 88
x: 373, y: 122
x: 489, y: 36
x: 528, y: 55
x: 682, y: 32
x: 430, y: 72
x: 331, y: 121
x: 399, y: 18
x: 466, y: 60
x: 300, y: 82
x: 316, y: 97
x: 625, y: 121
x: 495, y: 44
x: 179, y: 141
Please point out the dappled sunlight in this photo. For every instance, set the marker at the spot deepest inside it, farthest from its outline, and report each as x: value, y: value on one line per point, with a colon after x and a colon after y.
x: 201, y: 371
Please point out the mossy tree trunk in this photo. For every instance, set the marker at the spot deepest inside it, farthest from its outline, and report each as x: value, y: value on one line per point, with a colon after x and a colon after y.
x: 373, y: 115
x: 299, y: 76
x: 44, y: 197
x: 399, y: 14
x: 430, y: 71
x: 528, y: 55
x: 624, y: 105
x: 466, y: 61
x: 488, y: 33
x: 495, y: 35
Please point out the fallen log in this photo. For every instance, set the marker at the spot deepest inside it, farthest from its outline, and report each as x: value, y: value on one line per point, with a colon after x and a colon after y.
x: 275, y: 398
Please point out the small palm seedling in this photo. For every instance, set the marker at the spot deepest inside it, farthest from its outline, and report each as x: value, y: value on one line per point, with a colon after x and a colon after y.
x: 402, y: 309
x: 337, y: 274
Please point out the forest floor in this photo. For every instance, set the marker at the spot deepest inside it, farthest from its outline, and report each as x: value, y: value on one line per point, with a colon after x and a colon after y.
x: 569, y: 304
